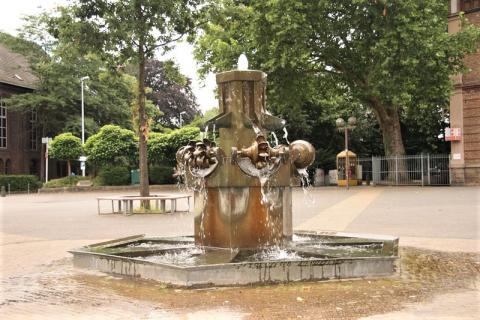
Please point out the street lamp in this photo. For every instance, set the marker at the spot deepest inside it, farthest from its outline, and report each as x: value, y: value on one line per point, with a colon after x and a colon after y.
x: 82, y: 160
x: 342, y: 126
x: 181, y: 120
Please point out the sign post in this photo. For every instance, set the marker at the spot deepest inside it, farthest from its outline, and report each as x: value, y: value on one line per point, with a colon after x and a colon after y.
x: 46, y: 141
x: 82, y: 160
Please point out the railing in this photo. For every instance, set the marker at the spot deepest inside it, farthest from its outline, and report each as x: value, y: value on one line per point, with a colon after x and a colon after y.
x: 424, y: 169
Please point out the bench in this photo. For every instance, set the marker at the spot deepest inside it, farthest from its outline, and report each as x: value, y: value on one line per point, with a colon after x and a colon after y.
x: 125, y: 203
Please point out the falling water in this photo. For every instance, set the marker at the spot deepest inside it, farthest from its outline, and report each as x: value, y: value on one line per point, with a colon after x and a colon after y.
x: 305, y: 182
x: 275, y: 138
x: 205, y: 133
x: 214, y: 133
x: 285, y: 135
x: 256, y: 129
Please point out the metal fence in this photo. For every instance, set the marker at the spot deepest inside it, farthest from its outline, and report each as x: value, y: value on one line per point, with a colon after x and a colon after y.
x: 424, y: 169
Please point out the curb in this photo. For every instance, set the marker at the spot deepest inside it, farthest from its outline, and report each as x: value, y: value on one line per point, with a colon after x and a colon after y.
x: 105, y: 188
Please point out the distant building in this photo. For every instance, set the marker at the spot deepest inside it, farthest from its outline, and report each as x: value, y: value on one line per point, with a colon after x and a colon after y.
x: 20, y: 142
x: 464, y: 130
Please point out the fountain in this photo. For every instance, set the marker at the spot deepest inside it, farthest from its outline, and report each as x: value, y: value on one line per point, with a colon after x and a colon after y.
x: 243, y: 209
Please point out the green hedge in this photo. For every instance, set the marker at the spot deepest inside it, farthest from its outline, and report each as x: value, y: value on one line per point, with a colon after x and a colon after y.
x: 113, y: 176
x: 20, y: 182
x: 161, y: 175
x: 69, y: 181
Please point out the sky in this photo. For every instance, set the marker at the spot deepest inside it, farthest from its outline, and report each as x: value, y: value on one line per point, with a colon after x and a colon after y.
x: 11, y: 19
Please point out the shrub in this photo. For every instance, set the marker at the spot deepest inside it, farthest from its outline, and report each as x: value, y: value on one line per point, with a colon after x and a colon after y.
x: 161, y: 175
x: 69, y: 181
x: 163, y: 146
x: 113, y: 176
x: 112, y: 145
x: 20, y: 182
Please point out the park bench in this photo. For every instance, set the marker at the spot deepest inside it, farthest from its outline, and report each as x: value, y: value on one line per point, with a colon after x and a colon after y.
x: 125, y: 203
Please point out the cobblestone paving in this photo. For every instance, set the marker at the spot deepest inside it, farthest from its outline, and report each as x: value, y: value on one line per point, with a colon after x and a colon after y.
x: 58, y: 291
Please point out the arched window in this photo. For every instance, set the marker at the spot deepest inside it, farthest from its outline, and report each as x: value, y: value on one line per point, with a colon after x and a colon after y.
x: 8, y: 166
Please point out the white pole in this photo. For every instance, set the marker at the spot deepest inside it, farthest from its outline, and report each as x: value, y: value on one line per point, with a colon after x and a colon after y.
x: 83, y: 124
x: 46, y: 161
x: 83, y: 118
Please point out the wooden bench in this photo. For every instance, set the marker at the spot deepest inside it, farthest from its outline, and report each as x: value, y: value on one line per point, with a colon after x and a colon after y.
x: 125, y: 203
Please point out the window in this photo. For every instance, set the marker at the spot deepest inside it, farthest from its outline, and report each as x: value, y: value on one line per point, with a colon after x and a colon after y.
x: 467, y: 5
x: 32, y: 129
x: 2, y: 167
x: 3, y: 124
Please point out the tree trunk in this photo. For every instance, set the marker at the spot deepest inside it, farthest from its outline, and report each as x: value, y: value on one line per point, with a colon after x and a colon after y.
x: 143, y: 127
x: 389, y: 122
x: 69, y: 168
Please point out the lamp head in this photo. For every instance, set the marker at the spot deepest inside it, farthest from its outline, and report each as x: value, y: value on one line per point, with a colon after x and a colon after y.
x: 84, y: 78
x: 352, y: 121
x: 340, y: 123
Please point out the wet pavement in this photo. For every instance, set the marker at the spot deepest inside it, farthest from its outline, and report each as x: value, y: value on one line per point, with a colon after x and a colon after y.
x: 39, y: 282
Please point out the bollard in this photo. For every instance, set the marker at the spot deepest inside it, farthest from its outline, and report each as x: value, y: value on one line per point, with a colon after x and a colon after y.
x: 9, y: 189
x: 28, y: 187
x: 2, y: 192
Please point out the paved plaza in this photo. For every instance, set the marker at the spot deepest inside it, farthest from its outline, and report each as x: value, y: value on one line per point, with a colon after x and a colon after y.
x: 38, y: 280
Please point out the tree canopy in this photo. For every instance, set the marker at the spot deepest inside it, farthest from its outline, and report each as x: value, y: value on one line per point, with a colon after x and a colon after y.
x: 66, y: 147
x: 58, y: 100
x: 127, y: 31
x: 171, y: 93
x: 389, y: 57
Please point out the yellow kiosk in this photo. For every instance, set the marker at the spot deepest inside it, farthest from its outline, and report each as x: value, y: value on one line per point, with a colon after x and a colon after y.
x: 342, y: 163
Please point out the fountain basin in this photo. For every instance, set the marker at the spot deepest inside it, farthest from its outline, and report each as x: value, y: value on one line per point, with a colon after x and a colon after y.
x: 178, y: 261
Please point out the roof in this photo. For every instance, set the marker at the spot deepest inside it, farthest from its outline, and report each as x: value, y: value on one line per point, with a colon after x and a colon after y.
x: 15, y: 69
x: 343, y: 154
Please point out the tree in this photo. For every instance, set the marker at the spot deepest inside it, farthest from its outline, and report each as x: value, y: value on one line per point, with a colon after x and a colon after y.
x: 171, y: 92
x: 112, y: 145
x: 389, y: 56
x: 127, y: 30
x: 57, y: 99
x: 66, y: 147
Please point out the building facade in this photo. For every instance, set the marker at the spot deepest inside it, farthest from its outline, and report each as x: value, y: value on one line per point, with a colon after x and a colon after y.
x: 20, y: 141
x: 465, y: 105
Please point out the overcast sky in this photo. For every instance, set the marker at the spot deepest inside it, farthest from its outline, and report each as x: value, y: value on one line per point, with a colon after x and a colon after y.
x: 11, y: 19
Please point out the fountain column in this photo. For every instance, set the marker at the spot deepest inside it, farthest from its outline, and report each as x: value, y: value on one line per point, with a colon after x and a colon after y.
x: 230, y: 212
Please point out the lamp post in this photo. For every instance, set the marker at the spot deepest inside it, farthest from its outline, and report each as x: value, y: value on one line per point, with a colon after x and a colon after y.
x: 82, y: 159
x: 181, y: 120
x: 345, y: 126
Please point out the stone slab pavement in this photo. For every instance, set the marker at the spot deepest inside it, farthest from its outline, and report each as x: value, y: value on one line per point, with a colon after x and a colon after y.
x: 37, y: 229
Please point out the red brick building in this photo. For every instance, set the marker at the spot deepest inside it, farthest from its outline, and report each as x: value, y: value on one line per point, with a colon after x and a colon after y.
x: 20, y: 142
x: 465, y: 104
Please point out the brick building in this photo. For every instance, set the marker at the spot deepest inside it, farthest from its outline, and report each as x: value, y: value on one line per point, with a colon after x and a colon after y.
x: 20, y: 142
x: 465, y: 104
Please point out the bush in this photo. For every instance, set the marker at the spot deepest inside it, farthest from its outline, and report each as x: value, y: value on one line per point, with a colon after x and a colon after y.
x: 113, y: 176
x: 161, y: 175
x: 69, y: 181
x: 112, y: 145
x: 163, y: 146
x: 20, y: 182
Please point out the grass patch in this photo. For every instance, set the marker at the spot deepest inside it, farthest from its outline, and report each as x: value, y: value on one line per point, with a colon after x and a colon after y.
x: 69, y: 181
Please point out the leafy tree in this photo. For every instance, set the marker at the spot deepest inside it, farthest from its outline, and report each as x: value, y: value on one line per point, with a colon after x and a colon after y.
x: 66, y: 147
x: 171, y: 93
x: 392, y: 57
x: 57, y: 99
x: 127, y: 30
x: 112, y: 145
